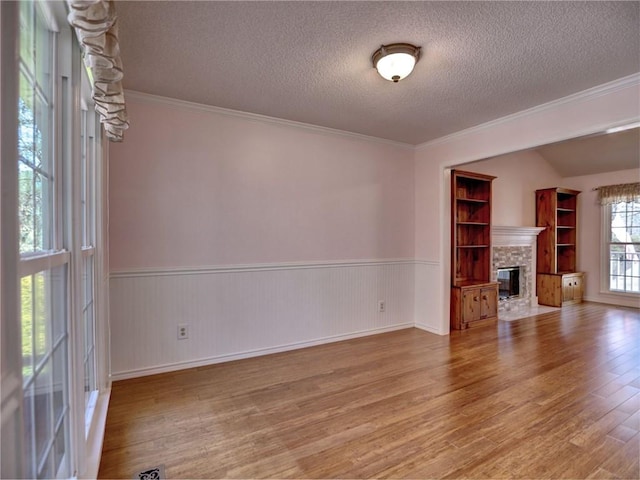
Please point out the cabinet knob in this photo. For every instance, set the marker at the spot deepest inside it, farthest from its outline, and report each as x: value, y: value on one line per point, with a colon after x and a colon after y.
x: 475, y: 299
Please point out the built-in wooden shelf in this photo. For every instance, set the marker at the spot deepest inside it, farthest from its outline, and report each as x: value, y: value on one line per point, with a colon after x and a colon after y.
x: 557, y: 281
x: 474, y: 298
x: 473, y: 200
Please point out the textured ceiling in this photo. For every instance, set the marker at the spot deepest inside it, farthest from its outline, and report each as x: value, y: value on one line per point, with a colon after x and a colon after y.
x: 310, y: 61
x: 594, y: 154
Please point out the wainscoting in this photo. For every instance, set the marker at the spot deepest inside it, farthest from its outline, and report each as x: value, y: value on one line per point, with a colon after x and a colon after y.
x: 244, y: 311
x: 428, y: 298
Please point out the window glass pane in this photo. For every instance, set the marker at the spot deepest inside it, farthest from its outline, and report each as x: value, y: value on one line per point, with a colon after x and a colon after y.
x: 26, y: 294
x: 38, y: 214
x: 27, y: 33
x: 26, y: 163
x: 46, y: 468
x: 47, y: 384
x: 59, y: 450
x: 59, y: 302
x: 42, y: 120
x: 91, y: 200
x: 42, y: 341
x: 89, y: 330
x: 618, y: 234
x: 83, y: 175
x: 43, y: 53
x: 59, y: 381
x: 29, y: 438
x: 26, y: 151
x: 42, y: 412
x: 89, y: 377
x: 624, y: 247
x: 35, y: 167
x: 88, y: 280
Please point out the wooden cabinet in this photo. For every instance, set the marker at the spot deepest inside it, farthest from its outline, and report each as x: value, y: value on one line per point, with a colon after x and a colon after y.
x: 557, y: 290
x: 474, y: 299
x: 572, y: 288
x: 557, y: 281
x: 474, y: 305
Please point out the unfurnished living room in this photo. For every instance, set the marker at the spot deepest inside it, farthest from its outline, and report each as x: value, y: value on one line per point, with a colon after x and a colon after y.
x: 309, y: 239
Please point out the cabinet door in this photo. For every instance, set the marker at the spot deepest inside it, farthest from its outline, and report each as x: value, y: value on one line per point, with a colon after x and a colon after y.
x: 489, y: 302
x: 578, y: 288
x: 471, y: 305
x: 567, y: 288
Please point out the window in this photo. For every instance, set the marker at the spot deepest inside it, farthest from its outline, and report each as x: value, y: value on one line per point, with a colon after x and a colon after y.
x: 623, y: 246
x: 53, y: 163
x: 88, y: 145
x: 44, y: 272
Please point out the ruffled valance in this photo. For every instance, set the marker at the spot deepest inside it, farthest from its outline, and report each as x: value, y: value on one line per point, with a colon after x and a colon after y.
x: 626, y: 192
x: 95, y: 23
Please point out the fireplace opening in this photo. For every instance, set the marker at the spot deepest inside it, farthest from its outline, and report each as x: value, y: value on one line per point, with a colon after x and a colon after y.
x: 509, y: 282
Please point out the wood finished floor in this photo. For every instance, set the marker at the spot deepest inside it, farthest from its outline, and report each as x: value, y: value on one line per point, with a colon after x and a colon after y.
x: 552, y: 396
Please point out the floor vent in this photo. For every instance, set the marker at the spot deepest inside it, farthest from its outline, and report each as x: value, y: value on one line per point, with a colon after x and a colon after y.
x: 154, y: 473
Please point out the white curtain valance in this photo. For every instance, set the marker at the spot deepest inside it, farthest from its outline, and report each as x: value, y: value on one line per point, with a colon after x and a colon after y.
x: 626, y: 192
x: 95, y: 23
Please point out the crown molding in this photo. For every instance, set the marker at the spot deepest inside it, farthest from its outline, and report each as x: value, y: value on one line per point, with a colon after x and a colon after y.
x: 623, y: 83
x: 185, y: 105
x: 629, y: 81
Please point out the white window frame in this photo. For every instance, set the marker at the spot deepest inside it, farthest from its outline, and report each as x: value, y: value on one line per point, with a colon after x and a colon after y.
x: 605, y: 264
x: 56, y: 254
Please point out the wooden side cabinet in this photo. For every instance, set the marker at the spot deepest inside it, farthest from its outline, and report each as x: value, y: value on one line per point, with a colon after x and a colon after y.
x: 474, y: 305
x: 558, y: 290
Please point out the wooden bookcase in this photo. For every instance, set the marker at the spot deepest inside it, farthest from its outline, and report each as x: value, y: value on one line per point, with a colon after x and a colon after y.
x: 557, y: 281
x: 473, y: 300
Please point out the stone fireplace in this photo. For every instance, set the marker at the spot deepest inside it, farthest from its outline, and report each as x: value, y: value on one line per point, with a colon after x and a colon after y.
x: 515, y: 248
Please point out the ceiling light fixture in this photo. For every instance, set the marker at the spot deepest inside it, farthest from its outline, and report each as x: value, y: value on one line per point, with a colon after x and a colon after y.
x: 396, y: 60
x: 623, y: 128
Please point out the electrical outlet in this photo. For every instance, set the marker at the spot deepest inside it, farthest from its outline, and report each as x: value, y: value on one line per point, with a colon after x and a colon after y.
x: 183, y: 331
x: 382, y: 306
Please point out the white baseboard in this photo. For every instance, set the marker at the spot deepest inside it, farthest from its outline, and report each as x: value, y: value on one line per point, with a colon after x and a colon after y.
x: 613, y: 299
x: 252, y: 353
x: 427, y: 328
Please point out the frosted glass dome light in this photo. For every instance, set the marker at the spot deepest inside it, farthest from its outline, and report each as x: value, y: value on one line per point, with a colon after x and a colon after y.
x: 395, y: 61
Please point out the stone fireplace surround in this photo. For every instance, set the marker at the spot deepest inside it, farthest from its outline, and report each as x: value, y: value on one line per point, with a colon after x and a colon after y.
x: 516, y: 247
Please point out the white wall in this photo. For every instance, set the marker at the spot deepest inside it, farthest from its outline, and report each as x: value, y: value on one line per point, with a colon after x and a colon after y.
x: 519, y: 175
x: 590, y: 229
x: 260, y: 235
